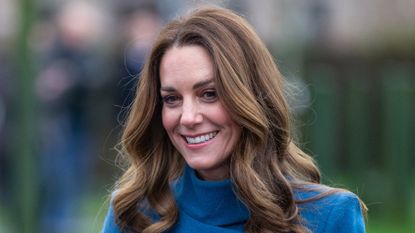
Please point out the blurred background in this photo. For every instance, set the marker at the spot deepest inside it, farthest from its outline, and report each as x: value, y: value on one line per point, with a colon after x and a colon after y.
x: 68, y: 70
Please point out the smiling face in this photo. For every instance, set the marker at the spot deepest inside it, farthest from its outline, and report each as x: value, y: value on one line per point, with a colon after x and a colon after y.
x: 196, y: 121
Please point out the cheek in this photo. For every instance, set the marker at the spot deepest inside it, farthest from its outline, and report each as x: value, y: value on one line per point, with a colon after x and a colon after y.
x: 222, y: 117
x: 167, y: 118
x: 225, y: 119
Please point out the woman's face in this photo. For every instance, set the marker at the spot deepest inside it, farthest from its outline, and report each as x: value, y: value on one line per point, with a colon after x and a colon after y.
x: 195, y: 119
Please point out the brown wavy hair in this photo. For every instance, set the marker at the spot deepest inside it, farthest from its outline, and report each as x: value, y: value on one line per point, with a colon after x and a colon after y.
x: 265, y: 166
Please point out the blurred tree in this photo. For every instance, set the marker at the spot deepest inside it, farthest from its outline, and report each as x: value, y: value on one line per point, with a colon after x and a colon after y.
x: 25, y: 178
x: 324, y: 130
x: 397, y: 115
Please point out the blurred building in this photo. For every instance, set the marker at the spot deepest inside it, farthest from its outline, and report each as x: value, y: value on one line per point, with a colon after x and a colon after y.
x: 341, y: 25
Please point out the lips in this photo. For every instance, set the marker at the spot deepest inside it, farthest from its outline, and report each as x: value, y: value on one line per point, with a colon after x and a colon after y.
x: 201, y: 138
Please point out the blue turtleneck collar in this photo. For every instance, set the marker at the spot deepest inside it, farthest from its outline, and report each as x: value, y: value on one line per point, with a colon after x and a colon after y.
x: 209, y: 202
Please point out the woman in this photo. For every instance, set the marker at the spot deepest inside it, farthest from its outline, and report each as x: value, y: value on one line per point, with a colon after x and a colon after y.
x: 209, y: 142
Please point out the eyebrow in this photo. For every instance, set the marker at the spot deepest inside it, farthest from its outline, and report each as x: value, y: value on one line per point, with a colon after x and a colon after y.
x: 195, y: 86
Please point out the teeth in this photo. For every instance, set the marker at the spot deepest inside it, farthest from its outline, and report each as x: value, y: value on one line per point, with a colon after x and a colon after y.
x: 200, y: 139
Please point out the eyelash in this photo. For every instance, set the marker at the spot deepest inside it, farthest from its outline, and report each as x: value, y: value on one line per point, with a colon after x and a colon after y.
x: 168, y: 99
x: 208, y: 96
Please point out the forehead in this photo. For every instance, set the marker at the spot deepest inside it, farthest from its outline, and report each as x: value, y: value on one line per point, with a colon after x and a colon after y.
x: 185, y: 62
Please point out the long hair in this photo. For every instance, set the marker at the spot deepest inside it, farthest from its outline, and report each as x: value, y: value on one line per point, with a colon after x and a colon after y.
x: 265, y: 166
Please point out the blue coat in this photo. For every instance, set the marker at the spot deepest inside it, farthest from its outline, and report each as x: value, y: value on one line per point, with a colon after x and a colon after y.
x: 212, y: 207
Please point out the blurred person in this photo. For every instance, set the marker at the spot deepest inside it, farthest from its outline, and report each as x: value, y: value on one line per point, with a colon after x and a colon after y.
x: 209, y: 142
x: 8, y: 19
x: 139, y: 27
x: 6, y: 133
x: 72, y: 72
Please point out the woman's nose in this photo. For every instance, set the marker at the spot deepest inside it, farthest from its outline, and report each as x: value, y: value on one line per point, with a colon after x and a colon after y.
x: 191, y: 114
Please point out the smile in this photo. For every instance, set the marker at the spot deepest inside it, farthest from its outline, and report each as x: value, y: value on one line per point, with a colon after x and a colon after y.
x: 201, y: 138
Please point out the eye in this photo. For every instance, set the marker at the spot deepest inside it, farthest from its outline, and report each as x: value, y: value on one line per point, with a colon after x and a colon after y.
x: 209, y: 95
x: 170, y: 100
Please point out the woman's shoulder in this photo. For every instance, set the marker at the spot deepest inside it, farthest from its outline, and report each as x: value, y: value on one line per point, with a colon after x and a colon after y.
x: 321, y: 192
x: 326, y: 209
x: 109, y: 225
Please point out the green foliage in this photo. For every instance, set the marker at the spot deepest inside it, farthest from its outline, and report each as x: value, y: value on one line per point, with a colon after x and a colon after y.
x: 362, y: 133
